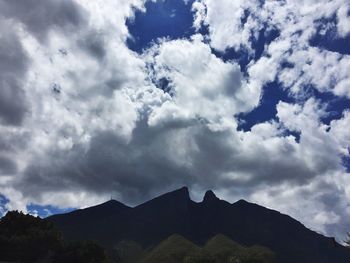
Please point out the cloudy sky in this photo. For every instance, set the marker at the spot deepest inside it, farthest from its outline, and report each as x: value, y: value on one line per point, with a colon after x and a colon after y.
x: 133, y: 98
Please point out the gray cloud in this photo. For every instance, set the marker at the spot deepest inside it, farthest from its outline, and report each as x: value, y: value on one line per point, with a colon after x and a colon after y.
x: 13, y: 67
x: 41, y: 16
x: 137, y: 169
x: 12, y: 144
x: 150, y: 162
x: 94, y: 43
x: 7, y: 166
x: 38, y: 17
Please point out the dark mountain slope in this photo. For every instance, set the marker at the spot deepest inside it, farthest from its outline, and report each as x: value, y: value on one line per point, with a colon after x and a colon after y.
x: 89, y: 223
x: 175, y: 213
x: 146, y: 222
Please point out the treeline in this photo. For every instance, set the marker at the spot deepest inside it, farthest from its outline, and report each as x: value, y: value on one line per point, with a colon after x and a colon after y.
x: 27, y: 239
x: 177, y: 249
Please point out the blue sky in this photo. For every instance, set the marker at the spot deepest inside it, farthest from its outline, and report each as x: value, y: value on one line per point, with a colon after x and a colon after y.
x: 248, y: 98
x: 163, y: 19
x: 174, y: 19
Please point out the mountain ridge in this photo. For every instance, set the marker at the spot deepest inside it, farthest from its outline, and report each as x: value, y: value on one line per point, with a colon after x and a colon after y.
x: 175, y: 213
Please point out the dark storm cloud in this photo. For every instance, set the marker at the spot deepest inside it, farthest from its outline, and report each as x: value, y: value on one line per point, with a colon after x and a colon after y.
x: 13, y: 67
x: 137, y: 169
x: 40, y: 16
x: 7, y: 166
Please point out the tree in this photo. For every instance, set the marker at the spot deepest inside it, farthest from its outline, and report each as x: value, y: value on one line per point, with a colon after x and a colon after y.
x: 29, y: 239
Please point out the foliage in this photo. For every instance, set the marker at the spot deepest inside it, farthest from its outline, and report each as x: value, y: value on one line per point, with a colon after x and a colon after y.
x: 128, y: 252
x: 27, y: 239
x: 172, y: 250
x: 86, y: 251
x: 219, y: 249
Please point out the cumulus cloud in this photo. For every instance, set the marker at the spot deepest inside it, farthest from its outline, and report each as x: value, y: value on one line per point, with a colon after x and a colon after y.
x: 83, y: 117
x: 227, y: 29
x: 43, y: 78
x: 203, y: 85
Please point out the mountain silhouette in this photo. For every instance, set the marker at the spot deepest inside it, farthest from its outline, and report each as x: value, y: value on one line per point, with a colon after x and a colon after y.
x: 175, y: 213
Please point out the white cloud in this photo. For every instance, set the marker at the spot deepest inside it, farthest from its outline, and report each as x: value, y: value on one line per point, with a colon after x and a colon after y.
x: 224, y: 21
x: 343, y: 23
x: 203, y: 85
x: 297, y: 23
x: 339, y: 129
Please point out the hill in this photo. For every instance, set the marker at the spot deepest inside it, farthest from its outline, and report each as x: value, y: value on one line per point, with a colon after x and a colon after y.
x: 177, y: 249
x: 172, y: 250
x: 223, y: 249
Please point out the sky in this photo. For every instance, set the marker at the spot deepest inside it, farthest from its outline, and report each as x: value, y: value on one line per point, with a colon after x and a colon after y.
x: 129, y: 99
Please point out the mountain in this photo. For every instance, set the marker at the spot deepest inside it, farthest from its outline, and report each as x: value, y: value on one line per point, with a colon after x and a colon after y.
x: 175, y: 213
x: 90, y: 223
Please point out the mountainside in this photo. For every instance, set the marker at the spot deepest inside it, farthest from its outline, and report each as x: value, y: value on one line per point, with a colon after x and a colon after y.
x: 90, y: 223
x: 175, y: 213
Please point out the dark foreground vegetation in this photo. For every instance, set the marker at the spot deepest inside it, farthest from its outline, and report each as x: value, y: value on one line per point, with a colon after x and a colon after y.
x: 27, y: 239
x: 219, y: 249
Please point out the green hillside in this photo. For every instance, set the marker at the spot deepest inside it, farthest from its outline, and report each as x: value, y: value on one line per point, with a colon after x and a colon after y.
x: 172, y: 250
x: 223, y: 249
x: 219, y: 249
